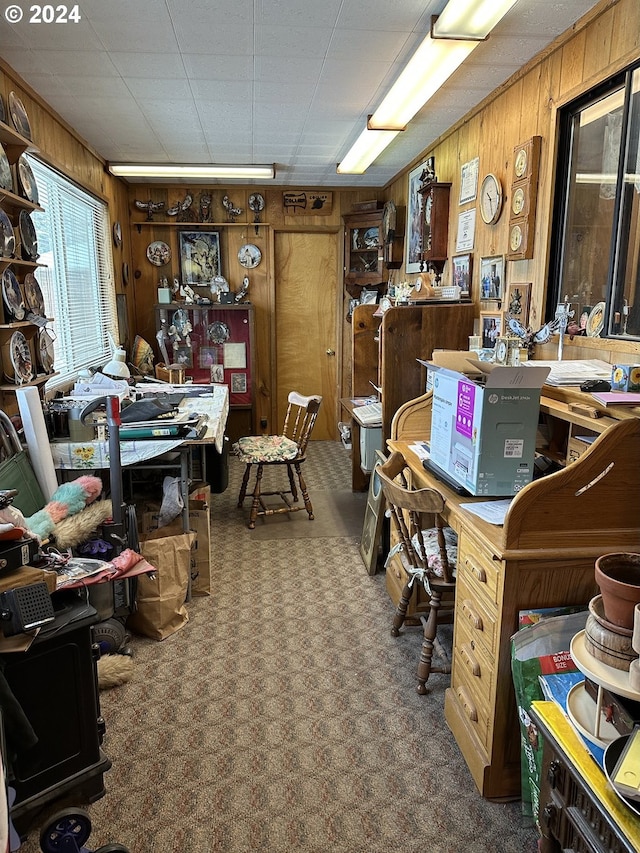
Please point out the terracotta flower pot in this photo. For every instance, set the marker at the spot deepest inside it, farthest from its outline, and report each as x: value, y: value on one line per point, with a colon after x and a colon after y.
x: 618, y: 576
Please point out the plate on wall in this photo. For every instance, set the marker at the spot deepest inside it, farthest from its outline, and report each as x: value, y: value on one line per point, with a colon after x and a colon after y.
x: 595, y: 321
x: 117, y: 235
x: 45, y: 350
x: 12, y: 295
x: 8, y: 243
x: 249, y: 256
x: 27, y: 181
x: 20, y: 356
x: 158, y: 253
x: 3, y: 111
x: 28, y: 237
x: 6, y: 178
x: 34, y: 300
x: 218, y: 332
x: 19, y: 116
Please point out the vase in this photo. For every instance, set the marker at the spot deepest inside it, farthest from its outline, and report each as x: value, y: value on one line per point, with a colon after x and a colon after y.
x: 618, y: 576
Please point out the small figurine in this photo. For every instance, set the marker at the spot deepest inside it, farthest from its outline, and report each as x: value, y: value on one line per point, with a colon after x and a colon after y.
x: 150, y: 206
x: 182, y: 209
x: 232, y: 212
x: 240, y: 295
x: 204, y: 206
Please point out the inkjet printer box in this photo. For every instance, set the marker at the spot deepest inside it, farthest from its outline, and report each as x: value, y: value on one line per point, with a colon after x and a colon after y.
x: 483, y: 432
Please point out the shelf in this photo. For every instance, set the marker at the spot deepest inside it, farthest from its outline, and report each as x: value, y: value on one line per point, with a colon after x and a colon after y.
x: 186, y: 225
x: 16, y: 202
x: 14, y: 143
x: 18, y: 262
x: 39, y: 380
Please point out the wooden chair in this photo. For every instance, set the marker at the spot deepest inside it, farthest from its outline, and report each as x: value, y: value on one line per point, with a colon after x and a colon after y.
x: 426, y: 555
x: 287, y: 449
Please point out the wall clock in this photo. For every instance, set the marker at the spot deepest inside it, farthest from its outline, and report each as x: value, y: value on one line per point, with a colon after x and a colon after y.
x: 435, y: 226
x: 491, y: 199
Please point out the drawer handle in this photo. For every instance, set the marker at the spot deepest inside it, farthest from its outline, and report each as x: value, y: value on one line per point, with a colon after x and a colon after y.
x: 467, y: 704
x: 470, y: 661
x: 478, y: 571
x: 472, y: 615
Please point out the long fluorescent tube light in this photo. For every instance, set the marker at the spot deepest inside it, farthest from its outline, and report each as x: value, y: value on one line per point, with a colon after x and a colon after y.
x: 369, y: 145
x: 470, y: 19
x: 143, y: 170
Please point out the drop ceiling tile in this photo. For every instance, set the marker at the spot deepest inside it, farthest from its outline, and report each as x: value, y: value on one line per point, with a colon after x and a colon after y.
x: 378, y: 45
x: 154, y: 65
x: 38, y: 36
x: 145, y: 88
x: 128, y: 32
x: 293, y: 41
x: 284, y: 68
x: 95, y: 87
x: 382, y: 15
x: 298, y: 13
x: 225, y: 91
x: 202, y: 66
x: 295, y: 95
x: 209, y: 14
x: 220, y: 38
x: 92, y: 63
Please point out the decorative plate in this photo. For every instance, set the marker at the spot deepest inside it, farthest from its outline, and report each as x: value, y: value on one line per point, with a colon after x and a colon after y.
x: 180, y: 320
x: 33, y: 297
x: 158, y: 253
x: 8, y: 242
x: 371, y: 238
x: 28, y: 237
x: 249, y: 256
x: 117, y: 234
x: 19, y: 116
x: 3, y: 111
x: 595, y: 322
x: 12, y: 295
x: 611, y: 755
x: 27, y: 181
x: 20, y: 356
x: 45, y: 350
x: 6, y: 179
x: 256, y: 203
x: 218, y: 332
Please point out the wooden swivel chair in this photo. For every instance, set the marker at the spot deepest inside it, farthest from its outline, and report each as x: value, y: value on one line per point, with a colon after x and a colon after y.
x: 428, y: 557
x: 287, y: 449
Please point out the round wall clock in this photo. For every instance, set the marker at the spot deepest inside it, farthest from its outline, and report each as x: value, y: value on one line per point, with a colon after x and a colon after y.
x: 249, y: 256
x: 490, y: 199
x: 158, y: 253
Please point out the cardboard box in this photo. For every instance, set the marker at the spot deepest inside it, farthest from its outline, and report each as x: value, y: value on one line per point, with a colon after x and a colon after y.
x: 483, y: 434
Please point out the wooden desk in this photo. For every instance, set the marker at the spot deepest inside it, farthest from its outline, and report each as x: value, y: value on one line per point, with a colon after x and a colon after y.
x: 578, y: 809
x: 543, y: 556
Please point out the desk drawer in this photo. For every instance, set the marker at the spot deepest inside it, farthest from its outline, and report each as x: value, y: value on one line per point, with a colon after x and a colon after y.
x: 478, y: 568
x: 479, y: 617
x: 473, y: 666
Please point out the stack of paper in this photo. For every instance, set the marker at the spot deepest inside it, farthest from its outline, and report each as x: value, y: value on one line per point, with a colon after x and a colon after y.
x: 573, y: 372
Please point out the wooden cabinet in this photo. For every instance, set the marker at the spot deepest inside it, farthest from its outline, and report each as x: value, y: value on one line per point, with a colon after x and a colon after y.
x: 385, y: 352
x: 543, y: 556
x: 215, y: 343
x: 363, y: 251
x: 435, y: 225
x: 25, y: 347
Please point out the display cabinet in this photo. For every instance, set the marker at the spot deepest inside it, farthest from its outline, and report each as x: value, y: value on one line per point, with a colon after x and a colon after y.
x: 214, y: 343
x: 363, y: 251
x: 26, y: 347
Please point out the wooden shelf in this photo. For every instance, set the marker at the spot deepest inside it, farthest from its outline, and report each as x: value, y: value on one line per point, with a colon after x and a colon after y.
x: 16, y: 202
x: 206, y: 225
x: 39, y: 380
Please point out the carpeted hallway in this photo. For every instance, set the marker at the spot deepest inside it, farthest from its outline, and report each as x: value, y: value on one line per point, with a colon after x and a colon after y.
x: 284, y: 716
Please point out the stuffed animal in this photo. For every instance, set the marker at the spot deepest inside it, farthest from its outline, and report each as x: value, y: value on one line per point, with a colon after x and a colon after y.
x: 68, y: 499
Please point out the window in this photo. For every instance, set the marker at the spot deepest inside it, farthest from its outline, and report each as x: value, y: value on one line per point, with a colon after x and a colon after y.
x: 596, y: 236
x: 77, y: 279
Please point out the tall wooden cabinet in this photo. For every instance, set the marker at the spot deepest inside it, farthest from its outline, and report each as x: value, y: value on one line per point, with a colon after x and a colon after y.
x: 385, y: 351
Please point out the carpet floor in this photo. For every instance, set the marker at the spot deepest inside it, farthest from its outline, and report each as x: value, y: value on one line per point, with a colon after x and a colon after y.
x: 284, y: 716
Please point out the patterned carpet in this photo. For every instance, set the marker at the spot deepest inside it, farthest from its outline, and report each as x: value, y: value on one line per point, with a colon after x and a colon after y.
x: 284, y: 716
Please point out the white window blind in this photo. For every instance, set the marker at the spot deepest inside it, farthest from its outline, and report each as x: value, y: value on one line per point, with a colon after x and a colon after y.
x: 77, y: 279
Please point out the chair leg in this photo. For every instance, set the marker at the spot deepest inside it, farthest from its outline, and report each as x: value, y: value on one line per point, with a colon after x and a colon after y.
x: 245, y: 483
x: 255, y: 505
x: 303, y: 489
x: 430, y: 624
x: 292, y: 484
x: 401, y: 610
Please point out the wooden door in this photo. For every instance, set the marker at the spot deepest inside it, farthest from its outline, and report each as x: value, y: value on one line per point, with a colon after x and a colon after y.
x: 305, y: 325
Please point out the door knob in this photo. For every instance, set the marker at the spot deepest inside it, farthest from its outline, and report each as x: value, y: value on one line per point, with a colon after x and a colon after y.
x: 331, y: 352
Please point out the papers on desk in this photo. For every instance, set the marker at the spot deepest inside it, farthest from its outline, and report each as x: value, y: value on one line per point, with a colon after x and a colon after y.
x: 492, y: 511
x: 421, y: 449
x: 573, y: 372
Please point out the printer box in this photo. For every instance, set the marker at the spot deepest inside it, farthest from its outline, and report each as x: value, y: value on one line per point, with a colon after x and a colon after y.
x: 483, y: 432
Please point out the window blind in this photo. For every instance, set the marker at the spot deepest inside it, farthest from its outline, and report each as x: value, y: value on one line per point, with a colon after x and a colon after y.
x: 77, y: 283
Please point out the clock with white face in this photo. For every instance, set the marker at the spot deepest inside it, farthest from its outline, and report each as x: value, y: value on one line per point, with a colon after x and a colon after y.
x: 490, y: 199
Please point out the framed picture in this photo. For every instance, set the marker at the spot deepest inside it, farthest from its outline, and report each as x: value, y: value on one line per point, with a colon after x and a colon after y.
x: 461, y: 274
x: 238, y: 383
x: 217, y: 373
x: 517, y: 300
x: 183, y: 355
x: 199, y: 257
x: 207, y: 357
x: 490, y: 328
x: 413, y: 239
x: 368, y: 297
x: 492, y: 277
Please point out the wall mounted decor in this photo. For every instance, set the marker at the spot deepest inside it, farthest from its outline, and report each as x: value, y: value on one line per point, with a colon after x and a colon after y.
x: 413, y: 240
x: 199, y: 257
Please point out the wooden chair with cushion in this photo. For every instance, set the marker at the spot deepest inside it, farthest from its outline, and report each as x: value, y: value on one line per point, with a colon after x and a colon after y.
x: 428, y: 556
x: 286, y: 450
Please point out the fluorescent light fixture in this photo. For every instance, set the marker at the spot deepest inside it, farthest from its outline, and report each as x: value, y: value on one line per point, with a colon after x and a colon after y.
x: 470, y: 19
x: 159, y: 170
x: 369, y: 145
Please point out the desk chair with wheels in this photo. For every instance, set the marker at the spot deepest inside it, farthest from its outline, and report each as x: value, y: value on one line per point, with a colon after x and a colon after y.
x: 287, y: 449
x: 428, y: 556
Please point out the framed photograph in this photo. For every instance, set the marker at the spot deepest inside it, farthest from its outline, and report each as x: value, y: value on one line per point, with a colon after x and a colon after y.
x: 516, y: 302
x: 217, y: 373
x: 207, y: 357
x: 413, y: 239
x: 183, y: 355
x: 461, y: 274
x: 490, y: 328
x: 368, y: 297
x: 199, y: 257
x: 238, y: 383
x: 469, y: 180
x: 492, y: 277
